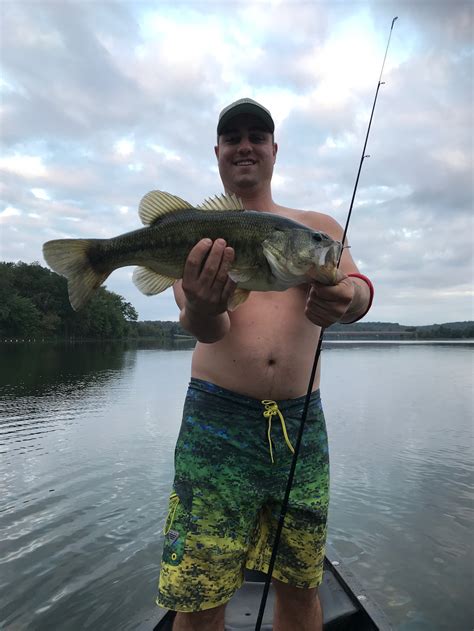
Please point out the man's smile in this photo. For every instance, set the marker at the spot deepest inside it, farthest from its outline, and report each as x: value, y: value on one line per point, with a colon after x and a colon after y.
x: 244, y: 163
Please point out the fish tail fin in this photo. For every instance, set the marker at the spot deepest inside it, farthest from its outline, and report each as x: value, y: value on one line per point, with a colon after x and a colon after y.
x: 69, y: 257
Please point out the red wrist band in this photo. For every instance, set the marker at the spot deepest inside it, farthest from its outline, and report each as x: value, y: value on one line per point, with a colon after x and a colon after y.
x: 371, y: 289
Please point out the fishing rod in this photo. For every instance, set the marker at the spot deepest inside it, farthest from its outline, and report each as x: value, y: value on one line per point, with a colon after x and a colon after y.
x: 284, y: 507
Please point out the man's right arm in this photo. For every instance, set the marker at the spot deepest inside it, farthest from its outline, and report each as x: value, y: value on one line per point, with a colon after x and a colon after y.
x: 205, y: 290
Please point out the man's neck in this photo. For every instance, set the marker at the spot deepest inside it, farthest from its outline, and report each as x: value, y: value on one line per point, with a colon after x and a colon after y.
x: 262, y: 202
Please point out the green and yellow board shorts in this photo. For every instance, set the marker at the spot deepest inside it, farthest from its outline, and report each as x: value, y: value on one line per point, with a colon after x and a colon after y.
x: 232, y: 461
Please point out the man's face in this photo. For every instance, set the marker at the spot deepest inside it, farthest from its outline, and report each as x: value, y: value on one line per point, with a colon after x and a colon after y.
x: 245, y: 154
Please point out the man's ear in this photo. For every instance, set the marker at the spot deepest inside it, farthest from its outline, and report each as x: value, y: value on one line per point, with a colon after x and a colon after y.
x: 216, y: 151
x: 275, y: 151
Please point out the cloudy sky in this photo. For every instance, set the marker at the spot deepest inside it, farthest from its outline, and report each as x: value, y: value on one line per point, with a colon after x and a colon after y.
x: 104, y: 101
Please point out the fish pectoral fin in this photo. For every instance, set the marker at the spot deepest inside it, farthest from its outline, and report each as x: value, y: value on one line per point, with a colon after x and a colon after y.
x: 242, y: 275
x: 222, y: 202
x: 150, y: 282
x: 156, y: 204
x: 238, y: 297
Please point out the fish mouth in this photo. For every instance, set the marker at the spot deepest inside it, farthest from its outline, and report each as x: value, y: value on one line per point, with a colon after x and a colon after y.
x: 329, y: 255
x: 325, y: 269
x: 334, y: 253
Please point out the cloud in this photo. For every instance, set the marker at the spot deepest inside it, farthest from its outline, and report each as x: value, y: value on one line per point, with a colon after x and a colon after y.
x: 25, y: 166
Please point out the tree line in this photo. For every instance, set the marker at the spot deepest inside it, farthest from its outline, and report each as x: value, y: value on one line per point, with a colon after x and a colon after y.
x: 159, y: 329
x: 393, y: 330
x: 34, y: 304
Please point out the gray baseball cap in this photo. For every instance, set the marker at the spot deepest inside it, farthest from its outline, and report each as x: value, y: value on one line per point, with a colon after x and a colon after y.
x: 245, y: 106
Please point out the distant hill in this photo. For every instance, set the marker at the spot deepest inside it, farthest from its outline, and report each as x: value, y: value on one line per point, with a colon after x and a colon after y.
x: 393, y: 330
x: 359, y: 330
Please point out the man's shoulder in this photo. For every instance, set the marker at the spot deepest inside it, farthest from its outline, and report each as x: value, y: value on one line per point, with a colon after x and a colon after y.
x: 313, y: 219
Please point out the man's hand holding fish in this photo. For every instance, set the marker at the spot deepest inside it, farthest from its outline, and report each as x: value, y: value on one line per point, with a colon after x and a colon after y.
x: 342, y: 302
x: 206, y: 290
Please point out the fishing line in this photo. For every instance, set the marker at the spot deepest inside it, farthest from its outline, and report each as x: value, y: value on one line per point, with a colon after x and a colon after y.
x: 284, y: 506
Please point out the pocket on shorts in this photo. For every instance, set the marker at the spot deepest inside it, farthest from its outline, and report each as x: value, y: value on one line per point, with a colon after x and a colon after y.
x: 176, y: 529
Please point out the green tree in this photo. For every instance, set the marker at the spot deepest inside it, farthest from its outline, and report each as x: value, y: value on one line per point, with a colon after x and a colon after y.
x: 34, y: 302
x: 20, y: 318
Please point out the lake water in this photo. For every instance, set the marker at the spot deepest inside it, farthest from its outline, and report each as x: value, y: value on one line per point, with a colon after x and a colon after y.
x: 86, y: 439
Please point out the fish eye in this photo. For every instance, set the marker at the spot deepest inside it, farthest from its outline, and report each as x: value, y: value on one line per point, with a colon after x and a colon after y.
x: 317, y: 236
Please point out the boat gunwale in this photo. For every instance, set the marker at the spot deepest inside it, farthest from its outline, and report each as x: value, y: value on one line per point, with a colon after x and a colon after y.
x: 352, y: 586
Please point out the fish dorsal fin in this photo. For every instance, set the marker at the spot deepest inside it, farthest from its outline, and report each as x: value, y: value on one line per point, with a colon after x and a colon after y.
x: 155, y: 204
x: 222, y: 202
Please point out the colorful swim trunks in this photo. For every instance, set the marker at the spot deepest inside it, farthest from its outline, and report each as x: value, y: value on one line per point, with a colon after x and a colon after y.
x: 232, y: 462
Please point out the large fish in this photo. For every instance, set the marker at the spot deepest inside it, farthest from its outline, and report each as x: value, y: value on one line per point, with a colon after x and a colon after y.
x: 272, y: 253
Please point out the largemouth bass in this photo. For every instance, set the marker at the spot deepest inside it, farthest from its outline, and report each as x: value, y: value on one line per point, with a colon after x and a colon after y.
x: 272, y: 253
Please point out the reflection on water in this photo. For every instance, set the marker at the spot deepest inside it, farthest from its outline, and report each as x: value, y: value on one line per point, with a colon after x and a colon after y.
x: 87, y: 435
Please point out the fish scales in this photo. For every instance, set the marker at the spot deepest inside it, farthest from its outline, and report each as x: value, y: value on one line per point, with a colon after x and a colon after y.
x: 173, y: 237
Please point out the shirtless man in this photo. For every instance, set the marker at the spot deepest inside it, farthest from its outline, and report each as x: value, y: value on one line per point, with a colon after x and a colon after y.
x: 250, y: 365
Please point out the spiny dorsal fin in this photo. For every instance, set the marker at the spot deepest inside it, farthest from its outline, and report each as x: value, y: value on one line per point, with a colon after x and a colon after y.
x: 155, y: 204
x: 222, y: 202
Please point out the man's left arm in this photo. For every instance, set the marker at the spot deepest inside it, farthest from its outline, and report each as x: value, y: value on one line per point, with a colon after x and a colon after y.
x: 349, y: 299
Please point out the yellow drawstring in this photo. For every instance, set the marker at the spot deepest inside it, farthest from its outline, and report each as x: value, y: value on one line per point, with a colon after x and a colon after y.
x: 174, y: 501
x: 271, y: 408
